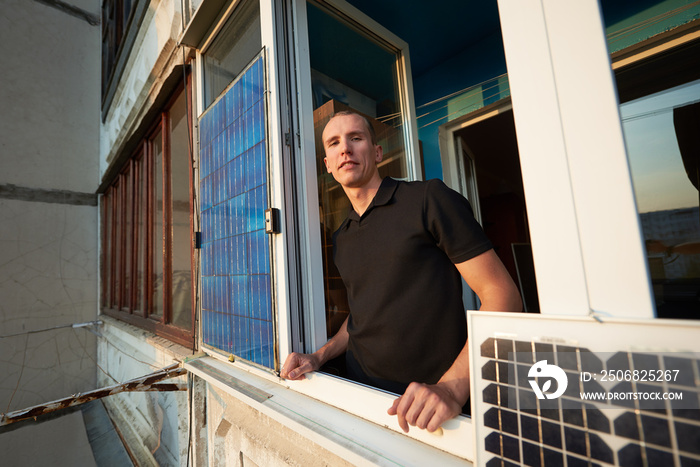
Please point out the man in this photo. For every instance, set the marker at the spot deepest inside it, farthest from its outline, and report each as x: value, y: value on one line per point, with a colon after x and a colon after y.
x: 401, y: 253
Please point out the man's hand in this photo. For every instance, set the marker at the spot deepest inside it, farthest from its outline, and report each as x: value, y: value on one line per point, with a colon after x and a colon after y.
x: 298, y: 364
x: 426, y: 406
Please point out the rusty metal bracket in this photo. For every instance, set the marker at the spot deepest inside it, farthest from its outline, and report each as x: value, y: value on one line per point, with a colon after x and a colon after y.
x: 148, y: 382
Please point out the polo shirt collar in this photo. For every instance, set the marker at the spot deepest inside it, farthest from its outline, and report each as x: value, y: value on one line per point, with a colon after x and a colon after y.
x: 382, y: 197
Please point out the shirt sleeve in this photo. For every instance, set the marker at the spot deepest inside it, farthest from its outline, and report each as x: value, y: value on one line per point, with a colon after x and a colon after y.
x: 450, y: 220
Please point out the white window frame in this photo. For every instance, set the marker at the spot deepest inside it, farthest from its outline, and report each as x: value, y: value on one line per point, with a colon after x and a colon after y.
x: 586, y: 238
x: 366, y: 402
x: 317, y: 336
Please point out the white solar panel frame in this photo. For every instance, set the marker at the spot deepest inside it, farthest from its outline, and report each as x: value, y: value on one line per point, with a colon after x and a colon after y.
x: 597, y: 334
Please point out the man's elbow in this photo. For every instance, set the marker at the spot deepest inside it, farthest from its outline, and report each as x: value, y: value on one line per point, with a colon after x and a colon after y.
x: 516, y: 302
x: 503, y: 299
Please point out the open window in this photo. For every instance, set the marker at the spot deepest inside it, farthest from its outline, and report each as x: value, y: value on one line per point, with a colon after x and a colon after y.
x: 481, y: 160
x: 238, y: 313
x: 367, y: 80
x: 364, y: 68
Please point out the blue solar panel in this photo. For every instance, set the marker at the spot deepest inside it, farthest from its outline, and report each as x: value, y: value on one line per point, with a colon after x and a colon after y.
x: 235, y: 257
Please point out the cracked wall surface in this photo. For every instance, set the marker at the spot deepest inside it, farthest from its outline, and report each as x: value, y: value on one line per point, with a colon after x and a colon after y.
x: 48, y: 278
x: 49, y: 145
x: 153, y: 425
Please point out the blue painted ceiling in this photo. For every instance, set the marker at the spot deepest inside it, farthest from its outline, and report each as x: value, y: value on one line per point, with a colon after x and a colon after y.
x: 438, y: 30
x: 435, y: 31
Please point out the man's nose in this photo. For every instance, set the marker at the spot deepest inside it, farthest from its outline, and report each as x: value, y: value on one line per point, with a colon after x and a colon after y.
x: 344, y: 146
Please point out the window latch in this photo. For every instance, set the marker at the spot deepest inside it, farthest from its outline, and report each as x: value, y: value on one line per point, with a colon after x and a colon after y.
x: 272, y: 221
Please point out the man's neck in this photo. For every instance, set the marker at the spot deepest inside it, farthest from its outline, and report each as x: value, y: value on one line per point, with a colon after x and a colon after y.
x: 361, y: 197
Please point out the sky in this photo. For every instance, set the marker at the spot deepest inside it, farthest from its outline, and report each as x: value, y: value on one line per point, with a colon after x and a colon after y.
x: 660, y: 181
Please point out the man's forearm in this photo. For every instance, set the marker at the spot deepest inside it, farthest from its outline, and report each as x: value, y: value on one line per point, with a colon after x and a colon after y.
x: 335, y: 346
x: 456, y: 379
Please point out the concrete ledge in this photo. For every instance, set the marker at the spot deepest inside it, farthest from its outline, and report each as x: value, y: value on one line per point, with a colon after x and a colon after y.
x: 38, y: 195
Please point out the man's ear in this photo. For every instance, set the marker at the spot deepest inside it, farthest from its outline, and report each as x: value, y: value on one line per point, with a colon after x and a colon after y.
x: 325, y: 161
x: 380, y: 153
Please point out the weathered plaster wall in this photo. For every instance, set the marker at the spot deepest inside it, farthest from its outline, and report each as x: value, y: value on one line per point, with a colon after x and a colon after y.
x: 154, y: 425
x: 239, y: 435
x: 47, y: 278
x: 50, y: 94
x: 49, y: 138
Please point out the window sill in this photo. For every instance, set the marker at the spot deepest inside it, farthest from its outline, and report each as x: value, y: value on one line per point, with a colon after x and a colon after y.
x: 136, y: 337
x: 178, y: 335
x: 350, y: 436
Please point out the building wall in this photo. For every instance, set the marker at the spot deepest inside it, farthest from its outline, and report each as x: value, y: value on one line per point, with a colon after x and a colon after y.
x: 240, y: 435
x: 225, y: 430
x: 153, y: 425
x: 49, y: 137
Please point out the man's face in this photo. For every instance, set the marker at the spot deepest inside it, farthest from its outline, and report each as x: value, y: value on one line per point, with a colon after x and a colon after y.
x: 350, y: 154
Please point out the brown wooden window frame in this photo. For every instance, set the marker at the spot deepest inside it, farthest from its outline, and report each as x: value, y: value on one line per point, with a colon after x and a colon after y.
x: 120, y: 254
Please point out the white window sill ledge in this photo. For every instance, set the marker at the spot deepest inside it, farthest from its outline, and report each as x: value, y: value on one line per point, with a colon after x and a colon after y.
x: 357, y: 440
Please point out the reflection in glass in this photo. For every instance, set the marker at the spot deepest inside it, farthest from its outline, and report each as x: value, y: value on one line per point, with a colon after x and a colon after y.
x: 141, y: 230
x: 116, y: 257
x: 107, y: 249
x: 157, y: 274
x: 238, y: 42
x: 180, y: 182
x: 663, y: 145
x: 350, y: 72
x: 128, y: 229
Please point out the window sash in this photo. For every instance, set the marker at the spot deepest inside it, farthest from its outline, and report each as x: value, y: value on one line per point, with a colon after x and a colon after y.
x: 368, y: 403
x: 314, y: 329
x: 237, y: 308
x: 129, y: 250
x: 287, y: 135
x: 588, y: 183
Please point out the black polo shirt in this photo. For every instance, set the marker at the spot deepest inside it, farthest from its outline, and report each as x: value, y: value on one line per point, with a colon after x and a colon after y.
x: 407, y: 321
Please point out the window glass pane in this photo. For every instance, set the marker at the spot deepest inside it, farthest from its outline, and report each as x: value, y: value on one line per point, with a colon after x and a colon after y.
x: 128, y: 237
x: 158, y: 252
x: 106, y: 247
x: 349, y: 70
x: 182, y: 264
x: 141, y: 196
x: 117, y: 255
x: 237, y: 43
x: 661, y: 133
x: 491, y: 179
